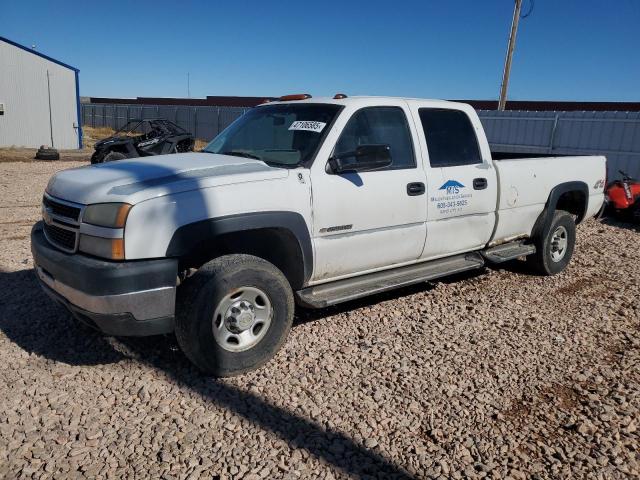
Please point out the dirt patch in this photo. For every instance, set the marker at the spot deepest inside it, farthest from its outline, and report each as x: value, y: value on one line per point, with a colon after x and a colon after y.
x: 17, y: 237
x: 566, y: 398
x: 518, y: 412
x: 575, y: 287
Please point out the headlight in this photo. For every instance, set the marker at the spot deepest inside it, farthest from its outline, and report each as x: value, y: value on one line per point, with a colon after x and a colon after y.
x: 99, y: 241
x: 112, y: 215
x: 110, y: 248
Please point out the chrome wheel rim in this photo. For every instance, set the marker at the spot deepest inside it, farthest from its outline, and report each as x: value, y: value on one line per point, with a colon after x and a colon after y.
x: 242, y: 319
x: 559, y: 244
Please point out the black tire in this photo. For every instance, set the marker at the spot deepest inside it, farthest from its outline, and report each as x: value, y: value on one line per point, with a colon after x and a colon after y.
x: 204, y: 292
x: 548, y: 260
x: 97, y: 157
x: 113, y: 156
x: 47, y: 154
x: 184, y: 146
x: 634, y: 212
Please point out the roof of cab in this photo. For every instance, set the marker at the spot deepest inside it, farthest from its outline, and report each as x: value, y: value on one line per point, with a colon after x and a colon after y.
x: 364, y: 100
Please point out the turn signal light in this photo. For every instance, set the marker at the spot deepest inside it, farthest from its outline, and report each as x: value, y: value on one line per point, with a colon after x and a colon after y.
x: 296, y: 96
x: 117, y: 249
x: 123, y: 212
x: 109, y: 248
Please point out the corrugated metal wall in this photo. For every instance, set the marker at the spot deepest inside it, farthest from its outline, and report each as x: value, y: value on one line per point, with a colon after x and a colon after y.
x: 23, y: 90
x: 204, y: 122
x: 613, y: 134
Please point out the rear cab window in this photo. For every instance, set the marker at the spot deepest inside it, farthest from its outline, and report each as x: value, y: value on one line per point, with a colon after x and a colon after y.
x: 451, y: 138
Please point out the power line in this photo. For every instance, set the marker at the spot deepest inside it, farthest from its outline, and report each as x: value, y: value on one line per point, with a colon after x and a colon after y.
x: 532, y: 4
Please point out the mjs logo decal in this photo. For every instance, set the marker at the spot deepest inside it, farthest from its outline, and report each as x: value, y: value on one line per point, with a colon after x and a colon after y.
x: 450, y: 198
x: 452, y: 187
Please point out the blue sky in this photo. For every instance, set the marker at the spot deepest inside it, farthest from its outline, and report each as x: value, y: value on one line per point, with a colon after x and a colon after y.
x: 566, y: 50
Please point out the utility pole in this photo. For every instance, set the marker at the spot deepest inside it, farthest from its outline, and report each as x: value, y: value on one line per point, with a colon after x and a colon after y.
x: 188, y: 87
x: 510, y: 48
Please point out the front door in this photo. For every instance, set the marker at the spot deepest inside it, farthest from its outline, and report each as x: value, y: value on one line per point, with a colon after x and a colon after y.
x: 369, y: 220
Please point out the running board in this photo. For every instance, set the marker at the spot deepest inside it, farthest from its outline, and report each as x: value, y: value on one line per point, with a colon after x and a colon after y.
x: 351, y: 288
x: 508, y: 251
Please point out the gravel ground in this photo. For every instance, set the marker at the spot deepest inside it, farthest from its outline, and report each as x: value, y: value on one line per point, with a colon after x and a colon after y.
x: 497, y: 374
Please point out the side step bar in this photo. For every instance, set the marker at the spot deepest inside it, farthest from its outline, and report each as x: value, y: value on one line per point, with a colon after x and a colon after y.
x: 351, y: 288
x: 508, y: 251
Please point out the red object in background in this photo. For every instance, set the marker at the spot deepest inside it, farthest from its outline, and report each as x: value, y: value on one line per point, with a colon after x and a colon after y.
x: 624, y: 196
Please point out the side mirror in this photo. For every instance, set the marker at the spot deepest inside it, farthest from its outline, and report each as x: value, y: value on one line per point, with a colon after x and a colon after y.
x: 363, y: 159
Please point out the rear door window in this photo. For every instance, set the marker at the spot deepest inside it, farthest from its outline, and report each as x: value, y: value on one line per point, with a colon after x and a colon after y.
x: 451, y: 139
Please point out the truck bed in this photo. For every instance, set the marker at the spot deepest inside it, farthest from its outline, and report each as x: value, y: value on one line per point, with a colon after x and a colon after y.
x: 524, y: 186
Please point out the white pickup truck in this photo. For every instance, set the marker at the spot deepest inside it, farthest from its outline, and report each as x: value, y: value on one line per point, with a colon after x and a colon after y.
x: 308, y: 200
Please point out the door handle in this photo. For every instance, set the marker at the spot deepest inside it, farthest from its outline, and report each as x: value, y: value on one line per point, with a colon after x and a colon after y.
x: 415, y: 188
x: 479, y: 183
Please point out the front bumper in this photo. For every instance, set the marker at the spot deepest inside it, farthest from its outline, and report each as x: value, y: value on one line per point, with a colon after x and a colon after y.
x: 119, y: 298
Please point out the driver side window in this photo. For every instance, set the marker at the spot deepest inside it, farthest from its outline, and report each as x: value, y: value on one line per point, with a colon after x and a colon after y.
x: 379, y: 126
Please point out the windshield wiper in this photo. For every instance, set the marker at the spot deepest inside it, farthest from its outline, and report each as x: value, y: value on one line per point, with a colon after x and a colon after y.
x: 238, y: 153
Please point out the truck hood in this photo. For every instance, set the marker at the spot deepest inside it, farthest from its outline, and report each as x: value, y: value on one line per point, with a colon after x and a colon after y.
x: 139, y: 179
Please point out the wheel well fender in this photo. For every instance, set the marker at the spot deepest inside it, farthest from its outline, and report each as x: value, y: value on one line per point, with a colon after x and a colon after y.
x: 572, y: 197
x: 281, y: 238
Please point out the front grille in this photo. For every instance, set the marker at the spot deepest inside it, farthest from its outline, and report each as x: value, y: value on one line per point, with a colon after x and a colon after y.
x: 61, y: 209
x: 61, y: 223
x: 60, y: 237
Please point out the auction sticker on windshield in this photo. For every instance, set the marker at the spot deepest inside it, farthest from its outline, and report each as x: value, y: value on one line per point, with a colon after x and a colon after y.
x: 307, y: 125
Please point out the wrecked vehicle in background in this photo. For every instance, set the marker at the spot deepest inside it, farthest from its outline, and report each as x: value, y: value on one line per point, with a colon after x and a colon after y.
x: 142, y: 138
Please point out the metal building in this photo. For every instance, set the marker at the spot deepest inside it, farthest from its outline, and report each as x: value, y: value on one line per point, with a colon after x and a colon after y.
x: 39, y: 99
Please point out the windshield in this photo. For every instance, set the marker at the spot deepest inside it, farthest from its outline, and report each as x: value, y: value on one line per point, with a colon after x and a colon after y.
x: 285, y: 134
x: 131, y: 129
x: 141, y: 127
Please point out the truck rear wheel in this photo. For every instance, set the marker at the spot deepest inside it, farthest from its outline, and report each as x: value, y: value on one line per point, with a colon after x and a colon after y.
x: 555, y: 245
x: 234, y: 314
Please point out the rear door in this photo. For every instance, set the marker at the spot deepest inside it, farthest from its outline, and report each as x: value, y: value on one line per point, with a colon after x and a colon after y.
x: 461, y: 181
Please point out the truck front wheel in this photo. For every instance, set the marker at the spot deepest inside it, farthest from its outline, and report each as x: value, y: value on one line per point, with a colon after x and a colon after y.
x: 555, y: 245
x: 234, y: 314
